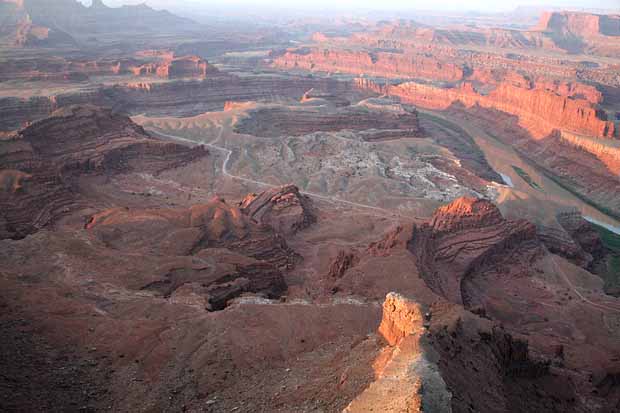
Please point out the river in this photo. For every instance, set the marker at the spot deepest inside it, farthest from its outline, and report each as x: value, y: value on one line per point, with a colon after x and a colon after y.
x: 540, y: 202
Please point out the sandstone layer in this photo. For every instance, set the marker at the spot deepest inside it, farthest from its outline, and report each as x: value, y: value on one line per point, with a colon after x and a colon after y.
x: 380, y: 121
x: 462, y: 237
x: 368, y: 63
x: 539, y: 108
x: 284, y: 209
x: 41, y: 163
x: 178, y: 97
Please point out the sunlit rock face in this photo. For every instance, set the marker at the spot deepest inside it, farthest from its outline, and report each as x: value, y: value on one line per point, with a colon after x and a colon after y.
x: 406, y: 378
x: 565, y: 108
x: 458, y: 243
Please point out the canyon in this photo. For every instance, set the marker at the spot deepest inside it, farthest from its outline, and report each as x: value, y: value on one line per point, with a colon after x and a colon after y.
x: 350, y: 213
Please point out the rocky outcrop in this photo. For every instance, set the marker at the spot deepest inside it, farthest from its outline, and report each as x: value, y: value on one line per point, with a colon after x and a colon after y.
x: 344, y: 261
x: 465, y: 214
x: 607, y: 152
x: 390, y: 240
x: 250, y: 256
x: 61, y: 23
x: 284, y: 209
x: 383, y: 64
x: 186, y: 231
x: 559, y: 31
x: 319, y: 97
x: 406, y: 35
x: 259, y: 278
x: 179, y: 98
x: 401, y: 318
x: 582, y: 24
x: 541, y: 108
x: 559, y: 242
x: 582, y: 32
x: 42, y: 162
x: 68, y: 70
x: 18, y: 30
x: 407, y: 378
x: 463, y: 241
x: 177, y: 67
x: 378, y: 122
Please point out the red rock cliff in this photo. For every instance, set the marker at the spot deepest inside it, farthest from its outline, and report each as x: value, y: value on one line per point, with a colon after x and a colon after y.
x: 374, y: 64
x: 540, y: 107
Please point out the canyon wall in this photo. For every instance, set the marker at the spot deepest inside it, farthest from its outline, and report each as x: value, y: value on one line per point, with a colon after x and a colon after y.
x: 462, y: 238
x: 584, y: 24
x: 60, y: 69
x: 180, y: 97
x: 607, y: 152
x: 583, y: 32
x: 40, y: 164
x: 540, y: 110
x: 378, y: 123
x: 383, y: 64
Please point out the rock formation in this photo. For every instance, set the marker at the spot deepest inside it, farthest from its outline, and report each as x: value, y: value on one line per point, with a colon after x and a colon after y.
x: 366, y: 63
x: 67, y: 70
x: 18, y: 30
x: 41, y: 163
x: 582, y: 32
x: 181, y: 232
x: 342, y: 263
x: 460, y: 241
x: 582, y: 232
x: 257, y: 254
x: 572, y: 32
x: 177, y: 67
x: 370, y: 64
x: 284, y: 209
x: 401, y: 318
x: 478, y: 354
x: 408, y: 380
x: 379, y: 121
x: 319, y: 97
x: 179, y: 97
x: 139, y: 275
x: 539, y: 109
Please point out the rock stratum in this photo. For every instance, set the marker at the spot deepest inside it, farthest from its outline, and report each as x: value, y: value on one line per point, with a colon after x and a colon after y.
x: 178, y: 97
x: 540, y: 109
x: 582, y: 32
x: 557, y: 31
x: 380, y: 120
x: 285, y: 209
x: 369, y: 63
x: 453, y: 249
x: 41, y: 164
x: 56, y: 69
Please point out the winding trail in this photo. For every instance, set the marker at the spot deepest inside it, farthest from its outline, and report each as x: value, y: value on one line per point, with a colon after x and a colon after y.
x: 225, y: 171
x: 333, y: 200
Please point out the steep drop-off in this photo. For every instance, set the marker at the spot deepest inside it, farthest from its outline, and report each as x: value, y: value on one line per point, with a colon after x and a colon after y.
x: 393, y: 65
x: 540, y: 109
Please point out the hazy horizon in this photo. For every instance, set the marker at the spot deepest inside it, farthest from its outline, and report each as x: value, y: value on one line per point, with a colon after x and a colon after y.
x: 387, y: 5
